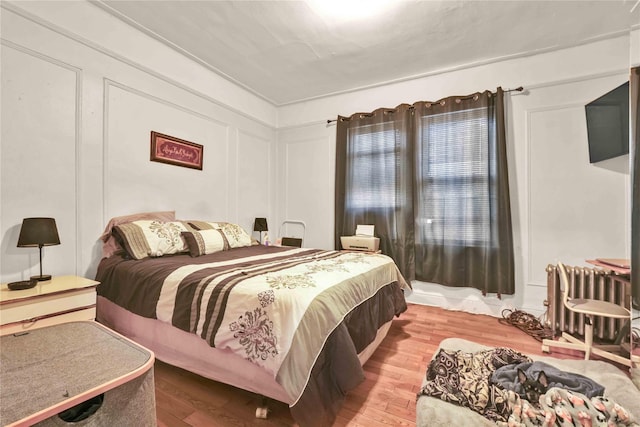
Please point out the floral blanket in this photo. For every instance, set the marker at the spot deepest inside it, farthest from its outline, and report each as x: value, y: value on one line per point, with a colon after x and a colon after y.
x: 561, y: 407
x: 464, y: 379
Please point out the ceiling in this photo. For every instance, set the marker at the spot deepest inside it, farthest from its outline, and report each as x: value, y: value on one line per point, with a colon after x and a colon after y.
x: 285, y: 52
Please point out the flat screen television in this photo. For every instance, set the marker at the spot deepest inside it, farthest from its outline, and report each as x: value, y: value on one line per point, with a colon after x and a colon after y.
x: 608, y: 124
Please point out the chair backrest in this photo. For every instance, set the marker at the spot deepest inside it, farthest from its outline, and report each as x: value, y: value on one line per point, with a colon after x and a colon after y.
x: 295, y: 242
x: 564, y: 283
x: 291, y: 241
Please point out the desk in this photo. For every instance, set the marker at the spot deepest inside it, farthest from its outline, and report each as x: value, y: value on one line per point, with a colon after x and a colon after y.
x: 620, y: 274
x: 615, y: 267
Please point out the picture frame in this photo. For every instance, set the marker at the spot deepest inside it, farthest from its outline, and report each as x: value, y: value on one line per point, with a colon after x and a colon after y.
x: 175, y: 151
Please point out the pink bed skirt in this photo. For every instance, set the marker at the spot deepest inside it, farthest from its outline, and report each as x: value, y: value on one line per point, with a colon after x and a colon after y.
x: 190, y: 352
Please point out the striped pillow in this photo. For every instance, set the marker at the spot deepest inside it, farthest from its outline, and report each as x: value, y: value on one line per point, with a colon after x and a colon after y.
x: 235, y: 235
x: 205, y: 242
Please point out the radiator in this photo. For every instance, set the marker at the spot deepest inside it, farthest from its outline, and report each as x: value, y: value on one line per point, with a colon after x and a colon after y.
x: 585, y: 282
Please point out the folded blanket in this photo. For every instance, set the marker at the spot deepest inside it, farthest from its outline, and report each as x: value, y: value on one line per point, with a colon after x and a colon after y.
x: 463, y: 379
x: 561, y: 407
x: 506, y: 377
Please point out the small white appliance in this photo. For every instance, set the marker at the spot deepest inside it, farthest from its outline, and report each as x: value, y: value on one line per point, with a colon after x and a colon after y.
x: 364, y: 240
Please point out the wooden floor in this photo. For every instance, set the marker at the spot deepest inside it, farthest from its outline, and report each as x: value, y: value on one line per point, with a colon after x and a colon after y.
x: 386, y: 398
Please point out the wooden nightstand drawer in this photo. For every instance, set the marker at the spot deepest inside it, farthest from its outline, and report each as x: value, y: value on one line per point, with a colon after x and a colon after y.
x: 47, y: 304
x: 62, y: 299
x: 49, y: 320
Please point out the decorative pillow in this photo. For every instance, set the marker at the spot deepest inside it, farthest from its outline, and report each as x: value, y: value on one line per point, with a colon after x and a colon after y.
x: 206, y: 225
x: 205, y: 242
x: 111, y: 244
x: 235, y: 235
x: 146, y: 238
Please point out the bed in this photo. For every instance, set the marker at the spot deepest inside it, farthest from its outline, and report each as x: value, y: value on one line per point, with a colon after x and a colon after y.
x: 432, y: 410
x: 292, y: 324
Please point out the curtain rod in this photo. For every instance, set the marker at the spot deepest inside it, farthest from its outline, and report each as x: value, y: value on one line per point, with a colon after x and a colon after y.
x: 518, y: 89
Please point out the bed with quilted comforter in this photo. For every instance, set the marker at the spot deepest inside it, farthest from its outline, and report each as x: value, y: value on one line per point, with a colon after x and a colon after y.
x: 293, y: 324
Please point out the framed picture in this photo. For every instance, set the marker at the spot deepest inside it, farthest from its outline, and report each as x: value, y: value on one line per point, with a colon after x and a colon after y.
x: 175, y: 151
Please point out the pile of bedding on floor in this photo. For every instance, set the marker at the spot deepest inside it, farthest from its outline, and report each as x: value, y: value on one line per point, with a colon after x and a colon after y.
x: 561, y: 407
x: 470, y: 384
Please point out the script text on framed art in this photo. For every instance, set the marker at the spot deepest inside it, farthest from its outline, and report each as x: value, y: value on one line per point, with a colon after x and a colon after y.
x: 175, y: 151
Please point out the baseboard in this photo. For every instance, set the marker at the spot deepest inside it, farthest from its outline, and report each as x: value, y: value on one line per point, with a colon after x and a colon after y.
x: 465, y: 299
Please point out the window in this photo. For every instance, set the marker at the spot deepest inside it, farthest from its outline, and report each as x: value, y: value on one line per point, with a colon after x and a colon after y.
x: 453, y: 171
x: 432, y: 177
x: 374, y: 158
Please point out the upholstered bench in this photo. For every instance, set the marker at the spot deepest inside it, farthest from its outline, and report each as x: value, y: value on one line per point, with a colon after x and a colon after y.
x: 77, y: 373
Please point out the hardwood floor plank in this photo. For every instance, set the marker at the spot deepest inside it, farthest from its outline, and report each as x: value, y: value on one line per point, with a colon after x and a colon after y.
x: 386, y: 398
x: 167, y: 419
x: 172, y: 403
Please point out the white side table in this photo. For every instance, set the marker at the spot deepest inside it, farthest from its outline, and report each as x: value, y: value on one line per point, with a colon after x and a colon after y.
x: 59, y: 300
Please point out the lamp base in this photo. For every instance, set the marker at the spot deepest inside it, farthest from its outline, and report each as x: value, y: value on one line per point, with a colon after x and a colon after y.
x: 41, y: 278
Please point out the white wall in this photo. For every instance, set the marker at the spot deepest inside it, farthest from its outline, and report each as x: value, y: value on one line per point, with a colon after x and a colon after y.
x: 634, y: 47
x: 81, y: 92
x: 563, y: 207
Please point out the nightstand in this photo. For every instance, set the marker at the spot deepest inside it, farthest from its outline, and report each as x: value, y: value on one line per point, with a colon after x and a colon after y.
x: 59, y: 300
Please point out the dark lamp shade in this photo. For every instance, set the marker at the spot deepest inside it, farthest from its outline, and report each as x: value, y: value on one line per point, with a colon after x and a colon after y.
x: 260, y: 224
x: 38, y: 232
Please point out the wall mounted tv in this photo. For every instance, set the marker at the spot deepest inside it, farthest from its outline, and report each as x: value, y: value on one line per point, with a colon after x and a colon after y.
x: 608, y: 124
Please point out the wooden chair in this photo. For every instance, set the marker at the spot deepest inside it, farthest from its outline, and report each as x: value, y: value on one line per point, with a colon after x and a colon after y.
x: 590, y: 308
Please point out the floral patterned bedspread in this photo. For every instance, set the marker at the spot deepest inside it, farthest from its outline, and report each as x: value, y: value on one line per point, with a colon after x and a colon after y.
x: 275, y: 308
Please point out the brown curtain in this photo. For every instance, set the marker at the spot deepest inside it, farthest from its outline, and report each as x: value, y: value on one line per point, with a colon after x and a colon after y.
x: 374, y: 180
x: 634, y: 92
x: 438, y: 191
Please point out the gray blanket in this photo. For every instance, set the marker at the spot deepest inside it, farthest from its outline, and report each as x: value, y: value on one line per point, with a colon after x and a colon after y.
x: 506, y: 377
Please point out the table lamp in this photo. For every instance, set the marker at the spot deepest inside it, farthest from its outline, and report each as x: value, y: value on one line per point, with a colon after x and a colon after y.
x: 260, y: 224
x: 38, y: 232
